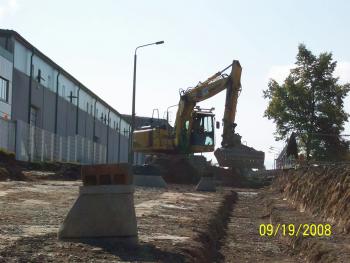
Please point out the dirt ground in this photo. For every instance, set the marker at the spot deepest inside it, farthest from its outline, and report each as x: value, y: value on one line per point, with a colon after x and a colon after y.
x: 176, y: 224
x: 171, y: 224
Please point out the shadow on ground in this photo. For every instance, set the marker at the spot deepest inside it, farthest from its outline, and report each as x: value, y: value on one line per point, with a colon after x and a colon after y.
x: 48, y: 248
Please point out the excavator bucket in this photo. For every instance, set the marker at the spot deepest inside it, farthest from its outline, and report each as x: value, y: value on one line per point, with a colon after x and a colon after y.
x: 240, y: 157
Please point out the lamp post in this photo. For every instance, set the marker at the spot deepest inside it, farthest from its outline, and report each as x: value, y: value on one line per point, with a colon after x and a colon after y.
x: 131, y: 152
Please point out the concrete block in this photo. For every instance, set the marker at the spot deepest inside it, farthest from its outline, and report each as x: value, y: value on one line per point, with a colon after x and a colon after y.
x: 206, y: 184
x: 102, y: 212
x: 147, y: 180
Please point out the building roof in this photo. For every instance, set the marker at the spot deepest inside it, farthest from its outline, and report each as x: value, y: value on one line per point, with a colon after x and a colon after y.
x: 23, y: 41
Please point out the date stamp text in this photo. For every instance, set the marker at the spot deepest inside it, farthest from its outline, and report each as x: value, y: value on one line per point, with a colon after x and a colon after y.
x: 306, y: 230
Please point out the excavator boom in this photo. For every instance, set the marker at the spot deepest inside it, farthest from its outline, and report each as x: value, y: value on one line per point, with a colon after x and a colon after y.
x: 207, y: 89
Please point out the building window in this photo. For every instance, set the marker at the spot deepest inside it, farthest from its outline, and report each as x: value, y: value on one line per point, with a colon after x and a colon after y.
x: 4, y: 90
x: 39, y: 76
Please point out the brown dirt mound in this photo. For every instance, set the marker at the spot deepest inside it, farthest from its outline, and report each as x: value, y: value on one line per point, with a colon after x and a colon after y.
x: 12, y: 172
x: 227, y: 177
x: 4, y: 174
x: 6, y: 156
x: 177, y: 169
x: 182, y: 169
x: 59, y: 171
x: 9, y: 168
x: 323, y: 190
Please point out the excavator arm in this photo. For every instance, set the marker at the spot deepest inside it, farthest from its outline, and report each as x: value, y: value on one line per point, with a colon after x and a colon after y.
x: 204, y: 90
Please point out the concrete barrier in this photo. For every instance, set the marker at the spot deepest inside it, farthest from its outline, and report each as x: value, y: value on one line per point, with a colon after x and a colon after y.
x: 104, y: 210
x: 206, y: 184
x: 147, y: 180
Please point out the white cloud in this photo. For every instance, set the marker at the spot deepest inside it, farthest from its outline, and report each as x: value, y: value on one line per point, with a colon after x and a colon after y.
x: 343, y: 71
x: 8, y: 7
x: 279, y: 72
x: 13, y: 4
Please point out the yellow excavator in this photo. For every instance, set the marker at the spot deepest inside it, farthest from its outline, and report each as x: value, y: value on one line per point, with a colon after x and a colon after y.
x: 194, y: 130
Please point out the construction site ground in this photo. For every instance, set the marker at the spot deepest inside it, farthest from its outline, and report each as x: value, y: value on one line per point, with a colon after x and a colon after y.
x: 171, y: 224
x: 176, y: 224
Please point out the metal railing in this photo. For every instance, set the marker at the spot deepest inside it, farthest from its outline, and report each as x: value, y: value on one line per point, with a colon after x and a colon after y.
x: 7, y: 135
x: 31, y: 143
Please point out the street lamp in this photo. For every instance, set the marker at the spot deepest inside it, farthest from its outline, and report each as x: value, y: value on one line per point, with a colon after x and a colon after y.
x: 131, y: 152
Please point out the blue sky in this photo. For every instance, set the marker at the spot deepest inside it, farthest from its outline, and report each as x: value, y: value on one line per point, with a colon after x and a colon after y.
x: 95, y: 40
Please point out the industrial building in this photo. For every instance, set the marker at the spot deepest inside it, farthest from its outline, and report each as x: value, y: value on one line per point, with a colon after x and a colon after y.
x: 47, y: 114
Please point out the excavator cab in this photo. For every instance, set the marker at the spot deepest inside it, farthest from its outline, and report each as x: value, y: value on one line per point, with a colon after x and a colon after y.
x: 202, y: 135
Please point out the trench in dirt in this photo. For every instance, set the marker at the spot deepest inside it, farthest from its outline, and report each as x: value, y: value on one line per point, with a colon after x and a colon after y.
x: 242, y: 242
x: 232, y: 233
x: 214, y: 235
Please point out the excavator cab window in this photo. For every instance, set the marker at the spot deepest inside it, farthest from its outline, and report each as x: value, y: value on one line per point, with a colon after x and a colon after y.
x: 202, y: 132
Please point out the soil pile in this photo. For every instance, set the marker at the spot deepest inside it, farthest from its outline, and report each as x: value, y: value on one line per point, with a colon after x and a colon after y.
x: 183, y: 169
x: 227, y: 177
x: 322, y: 190
x: 176, y: 169
x: 11, y: 169
x: 53, y: 171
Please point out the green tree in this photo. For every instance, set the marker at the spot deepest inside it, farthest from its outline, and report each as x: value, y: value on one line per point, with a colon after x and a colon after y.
x: 310, y: 102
